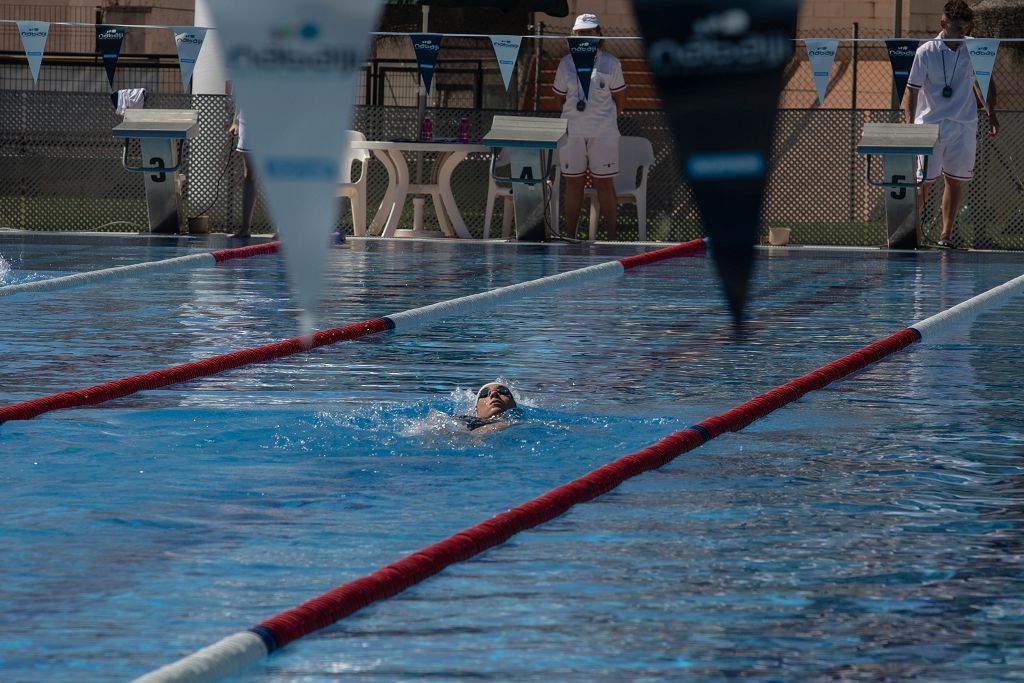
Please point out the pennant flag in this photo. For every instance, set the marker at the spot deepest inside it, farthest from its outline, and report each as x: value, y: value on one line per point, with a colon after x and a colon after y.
x: 821, y: 53
x: 719, y: 65
x: 108, y: 42
x: 426, y: 45
x: 584, y: 52
x: 901, y: 56
x: 294, y: 69
x: 983, y: 58
x: 506, y: 49
x: 189, y: 41
x: 33, y: 38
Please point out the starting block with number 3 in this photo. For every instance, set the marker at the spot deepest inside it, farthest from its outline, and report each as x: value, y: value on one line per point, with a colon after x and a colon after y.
x: 158, y: 130
x: 899, y: 144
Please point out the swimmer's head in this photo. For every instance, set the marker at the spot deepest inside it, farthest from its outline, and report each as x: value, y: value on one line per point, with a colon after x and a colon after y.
x: 494, y: 398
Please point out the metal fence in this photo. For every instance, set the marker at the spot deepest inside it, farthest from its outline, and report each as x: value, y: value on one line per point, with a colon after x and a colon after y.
x: 60, y: 169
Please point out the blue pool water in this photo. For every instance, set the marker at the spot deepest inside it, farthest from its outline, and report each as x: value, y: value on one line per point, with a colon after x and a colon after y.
x: 873, y: 530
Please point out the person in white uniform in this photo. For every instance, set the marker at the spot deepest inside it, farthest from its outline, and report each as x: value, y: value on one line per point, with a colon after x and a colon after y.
x: 942, y: 89
x: 593, y: 142
x: 248, y: 176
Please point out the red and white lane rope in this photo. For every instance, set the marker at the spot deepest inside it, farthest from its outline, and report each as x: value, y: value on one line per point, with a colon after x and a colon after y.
x: 243, y: 648
x: 140, y: 269
x: 100, y: 393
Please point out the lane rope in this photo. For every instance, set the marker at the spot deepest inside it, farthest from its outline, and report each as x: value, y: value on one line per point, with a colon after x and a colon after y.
x: 140, y: 269
x: 246, y: 647
x: 404, y: 320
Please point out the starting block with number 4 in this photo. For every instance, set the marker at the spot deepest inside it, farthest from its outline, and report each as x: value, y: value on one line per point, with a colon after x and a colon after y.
x: 531, y: 144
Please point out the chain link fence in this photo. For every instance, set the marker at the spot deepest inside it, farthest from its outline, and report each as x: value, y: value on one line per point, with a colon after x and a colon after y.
x: 60, y: 169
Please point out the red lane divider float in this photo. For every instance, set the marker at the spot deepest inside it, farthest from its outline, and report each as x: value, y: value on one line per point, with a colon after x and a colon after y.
x: 406, y: 319
x: 245, y: 252
x: 394, y: 578
x: 182, y: 373
x: 148, y: 268
x: 241, y: 649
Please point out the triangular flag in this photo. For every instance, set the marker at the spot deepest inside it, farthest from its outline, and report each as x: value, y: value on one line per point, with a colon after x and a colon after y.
x: 719, y: 70
x: 108, y: 42
x: 821, y: 53
x: 294, y: 69
x: 506, y: 49
x: 33, y: 38
x: 426, y: 46
x: 901, y: 57
x: 983, y: 58
x: 584, y: 53
x: 189, y: 40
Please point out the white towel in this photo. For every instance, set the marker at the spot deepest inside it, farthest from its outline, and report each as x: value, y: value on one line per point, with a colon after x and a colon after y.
x: 130, y: 98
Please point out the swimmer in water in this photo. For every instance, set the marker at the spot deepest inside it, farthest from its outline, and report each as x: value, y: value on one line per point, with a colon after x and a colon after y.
x: 495, y: 406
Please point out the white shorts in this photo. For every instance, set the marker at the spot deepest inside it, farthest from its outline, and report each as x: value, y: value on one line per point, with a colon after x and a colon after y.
x: 600, y: 155
x: 954, y: 152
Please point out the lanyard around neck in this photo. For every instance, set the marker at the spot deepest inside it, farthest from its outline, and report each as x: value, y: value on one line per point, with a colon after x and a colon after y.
x: 953, y: 73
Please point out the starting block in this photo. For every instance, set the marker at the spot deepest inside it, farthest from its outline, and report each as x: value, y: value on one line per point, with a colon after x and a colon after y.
x: 900, y: 144
x: 157, y: 130
x: 531, y: 144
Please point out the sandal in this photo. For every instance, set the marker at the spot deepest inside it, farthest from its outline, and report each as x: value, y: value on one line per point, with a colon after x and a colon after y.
x: 944, y: 244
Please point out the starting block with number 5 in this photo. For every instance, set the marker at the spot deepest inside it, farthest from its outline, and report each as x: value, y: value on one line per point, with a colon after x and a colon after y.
x: 899, y: 144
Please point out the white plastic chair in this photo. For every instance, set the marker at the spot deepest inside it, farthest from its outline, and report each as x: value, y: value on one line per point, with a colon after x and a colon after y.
x: 504, y: 190
x: 355, y: 190
x: 635, y: 155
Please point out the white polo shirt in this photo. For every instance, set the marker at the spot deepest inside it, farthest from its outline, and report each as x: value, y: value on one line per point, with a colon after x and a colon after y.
x: 599, y: 118
x: 926, y: 76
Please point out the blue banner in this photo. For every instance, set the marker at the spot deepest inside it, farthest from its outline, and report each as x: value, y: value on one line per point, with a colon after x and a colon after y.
x: 719, y: 66
x: 108, y: 44
x: 901, y: 57
x: 584, y: 52
x: 426, y: 45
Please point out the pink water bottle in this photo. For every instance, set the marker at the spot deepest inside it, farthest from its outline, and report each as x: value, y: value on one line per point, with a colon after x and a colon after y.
x: 463, y: 130
x: 427, y: 130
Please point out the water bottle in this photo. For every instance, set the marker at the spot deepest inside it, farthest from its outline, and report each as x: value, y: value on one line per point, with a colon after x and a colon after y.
x: 463, y: 130
x: 426, y: 130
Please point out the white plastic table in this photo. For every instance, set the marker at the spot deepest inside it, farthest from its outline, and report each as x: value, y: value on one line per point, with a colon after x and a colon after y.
x: 439, y: 186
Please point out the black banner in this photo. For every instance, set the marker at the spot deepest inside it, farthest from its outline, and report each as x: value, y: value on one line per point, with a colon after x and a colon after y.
x: 719, y: 67
x: 426, y: 45
x: 584, y: 52
x: 901, y: 56
x: 108, y: 44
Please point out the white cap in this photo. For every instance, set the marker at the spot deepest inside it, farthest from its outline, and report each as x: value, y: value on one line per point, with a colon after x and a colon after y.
x: 585, y: 21
x: 498, y: 383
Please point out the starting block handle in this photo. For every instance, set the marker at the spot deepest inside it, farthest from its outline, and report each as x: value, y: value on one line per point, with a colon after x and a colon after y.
x: 548, y: 156
x: 918, y: 183
x: 149, y: 169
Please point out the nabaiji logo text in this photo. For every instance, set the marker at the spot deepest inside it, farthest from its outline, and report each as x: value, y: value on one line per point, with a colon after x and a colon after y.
x: 902, y: 51
x: 583, y: 48
x: 294, y: 52
x: 189, y: 38
x: 33, y: 33
x: 721, y: 42
x: 821, y: 52
x: 111, y: 34
x: 426, y: 45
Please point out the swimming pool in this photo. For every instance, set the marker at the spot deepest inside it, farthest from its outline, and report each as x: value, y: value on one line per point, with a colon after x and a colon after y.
x: 871, y: 530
